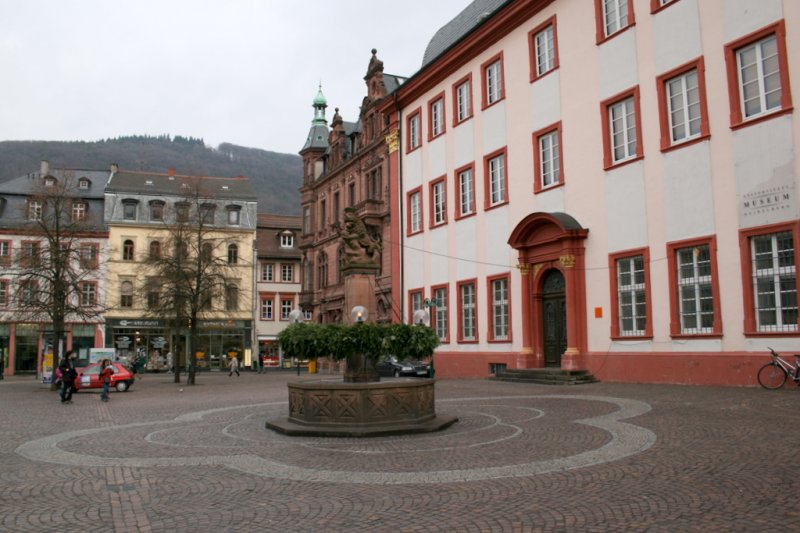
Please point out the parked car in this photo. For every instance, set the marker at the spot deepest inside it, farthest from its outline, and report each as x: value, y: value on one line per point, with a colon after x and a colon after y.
x: 390, y: 366
x: 89, y: 377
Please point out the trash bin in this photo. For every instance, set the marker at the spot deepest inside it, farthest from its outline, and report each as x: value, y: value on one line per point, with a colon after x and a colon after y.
x: 312, y: 366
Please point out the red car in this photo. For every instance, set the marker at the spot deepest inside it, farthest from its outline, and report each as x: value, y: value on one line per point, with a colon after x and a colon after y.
x: 89, y: 377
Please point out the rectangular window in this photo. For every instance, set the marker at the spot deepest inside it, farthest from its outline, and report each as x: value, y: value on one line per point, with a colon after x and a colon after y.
x: 3, y: 293
x: 287, y: 273
x: 28, y: 293
x: 622, y: 128
x: 35, y: 210
x: 493, y: 90
x: 31, y: 254
x: 267, y: 272
x: 287, y: 240
x: 414, y: 211
x: 153, y: 295
x: 467, y: 308
x: 88, y: 294
x: 436, y: 116
x: 233, y: 216
x: 351, y: 194
x: 630, y: 293
x: 336, y: 207
x: 438, y: 202
x: 286, y: 307
x: 156, y: 211
x: 462, y: 100
x: 543, y: 48
x: 129, y: 211
x: 440, y: 313
x: 499, y: 309
x: 88, y: 256
x: 682, y: 104
x: 323, y: 215
x: 547, y: 158
x: 78, y: 211
x: 5, y: 253
x: 758, y: 74
x: 231, y: 297
x: 496, y: 180
x: 695, y: 289
x: 774, y: 282
x: 306, y: 220
x: 465, y: 183
x: 415, y: 303
x: 612, y: 17
x: 374, y: 185
x: 267, y: 311
x: 414, y: 138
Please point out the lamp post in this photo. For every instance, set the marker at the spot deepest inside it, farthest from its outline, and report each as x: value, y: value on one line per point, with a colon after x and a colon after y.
x: 359, y: 314
x: 422, y: 317
x: 295, y: 317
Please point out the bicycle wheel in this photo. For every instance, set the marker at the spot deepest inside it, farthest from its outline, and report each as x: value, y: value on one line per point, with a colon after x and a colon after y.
x: 771, y: 376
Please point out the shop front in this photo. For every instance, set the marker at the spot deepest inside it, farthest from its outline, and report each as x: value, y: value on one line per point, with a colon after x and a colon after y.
x: 220, y: 340
x: 140, y: 338
x: 270, y: 352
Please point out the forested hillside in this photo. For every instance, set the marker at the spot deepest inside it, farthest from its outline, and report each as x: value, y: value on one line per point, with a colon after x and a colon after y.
x: 276, y: 177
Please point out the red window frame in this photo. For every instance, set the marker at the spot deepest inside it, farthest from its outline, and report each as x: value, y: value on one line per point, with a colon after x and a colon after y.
x: 460, y: 305
x: 674, y: 296
x: 538, y: 186
x: 92, y: 262
x: 434, y: 288
x: 409, y: 194
x: 5, y: 260
x: 750, y: 323
x: 484, y: 88
x: 532, y: 48
x: 81, y: 285
x: 612, y: 273
x: 431, y: 207
x: 737, y: 118
x: 411, y: 294
x: 456, y: 85
x: 487, y: 192
x: 5, y: 304
x: 457, y: 191
x: 28, y: 261
x: 663, y: 107
x: 418, y: 114
x: 608, y: 162
x: 490, y: 316
x: 601, y: 23
x: 283, y: 298
x: 262, y: 297
x: 438, y: 98
x: 655, y: 5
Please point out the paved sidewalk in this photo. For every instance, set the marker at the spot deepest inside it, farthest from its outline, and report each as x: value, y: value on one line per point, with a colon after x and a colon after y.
x: 600, y: 457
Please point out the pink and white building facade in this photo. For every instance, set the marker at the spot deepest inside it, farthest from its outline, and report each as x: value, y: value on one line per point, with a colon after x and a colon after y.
x: 608, y: 185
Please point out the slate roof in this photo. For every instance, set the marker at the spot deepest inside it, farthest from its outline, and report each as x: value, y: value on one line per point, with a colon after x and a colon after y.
x: 267, y: 236
x: 470, y: 18
x: 317, y: 137
x: 392, y: 82
x: 150, y: 183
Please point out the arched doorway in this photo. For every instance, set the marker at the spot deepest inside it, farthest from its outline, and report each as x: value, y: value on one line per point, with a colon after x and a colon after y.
x: 554, y: 318
x: 552, y: 268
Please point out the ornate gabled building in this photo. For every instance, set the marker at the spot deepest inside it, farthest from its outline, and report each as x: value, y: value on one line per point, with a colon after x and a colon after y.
x: 345, y: 166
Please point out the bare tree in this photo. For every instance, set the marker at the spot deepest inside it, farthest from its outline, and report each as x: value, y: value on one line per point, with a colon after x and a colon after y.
x: 191, y: 274
x: 58, y: 265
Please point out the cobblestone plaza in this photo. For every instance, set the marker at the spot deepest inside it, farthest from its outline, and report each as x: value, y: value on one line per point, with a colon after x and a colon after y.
x: 600, y: 457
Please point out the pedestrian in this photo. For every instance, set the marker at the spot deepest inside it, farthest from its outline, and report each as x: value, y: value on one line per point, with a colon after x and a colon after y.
x: 68, y: 375
x: 169, y: 361
x: 234, y: 366
x: 105, y: 377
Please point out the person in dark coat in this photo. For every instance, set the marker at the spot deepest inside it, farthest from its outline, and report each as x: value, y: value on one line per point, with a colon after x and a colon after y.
x: 68, y: 376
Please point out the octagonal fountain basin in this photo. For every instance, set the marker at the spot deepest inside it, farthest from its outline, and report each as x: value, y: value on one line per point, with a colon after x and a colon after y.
x: 338, y: 409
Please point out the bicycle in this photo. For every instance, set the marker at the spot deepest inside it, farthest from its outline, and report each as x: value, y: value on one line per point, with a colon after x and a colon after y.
x: 773, y: 374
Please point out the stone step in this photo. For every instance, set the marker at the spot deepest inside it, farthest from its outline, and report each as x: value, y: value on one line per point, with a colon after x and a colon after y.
x: 546, y: 376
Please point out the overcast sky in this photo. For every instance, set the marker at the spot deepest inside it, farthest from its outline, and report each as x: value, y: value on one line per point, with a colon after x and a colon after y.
x: 238, y: 71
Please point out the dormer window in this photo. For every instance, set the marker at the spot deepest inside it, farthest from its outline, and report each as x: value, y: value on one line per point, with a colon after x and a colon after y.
x: 49, y: 181
x: 182, y: 212
x: 207, y: 213
x: 129, y: 209
x: 35, y: 210
x: 156, y: 210
x: 84, y: 183
x: 79, y: 209
x: 233, y: 214
x: 287, y: 240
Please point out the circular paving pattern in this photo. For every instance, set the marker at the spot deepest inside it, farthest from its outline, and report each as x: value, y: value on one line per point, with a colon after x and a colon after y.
x: 589, y: 430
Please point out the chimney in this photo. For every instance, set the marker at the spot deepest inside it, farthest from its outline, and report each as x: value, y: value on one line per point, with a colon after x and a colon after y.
x: 171, y: 171
x: 44, y: 168
x: 114, y: 168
